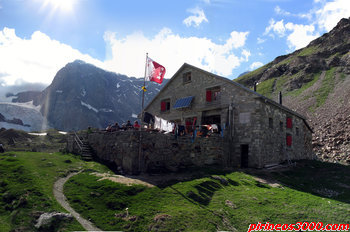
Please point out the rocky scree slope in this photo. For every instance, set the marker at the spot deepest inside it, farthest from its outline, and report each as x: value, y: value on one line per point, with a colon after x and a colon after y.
x: 315, y: 81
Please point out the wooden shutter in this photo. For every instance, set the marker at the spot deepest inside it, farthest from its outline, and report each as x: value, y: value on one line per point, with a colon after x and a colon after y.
x: 162, y: 106
x: 208, y: 96
x: 289, y: 123
x: 289, y: 140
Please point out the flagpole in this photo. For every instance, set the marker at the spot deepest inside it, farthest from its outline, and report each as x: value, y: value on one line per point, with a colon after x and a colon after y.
x: 143, y: 92
x: 142, y: 116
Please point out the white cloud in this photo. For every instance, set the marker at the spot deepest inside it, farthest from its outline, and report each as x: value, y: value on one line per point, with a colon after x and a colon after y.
x: 301, y: 35
x: 331, y: 13
x: 322, y: 18
x: 34, y: 60
x: 298, y: 35
x: 38, y: 58
x: 245, y: 55
x: 255, y: 65
x: 280, y: 11
x: 172, y: 50
x: 196, y: 19
x: 276, y: 27
x: 260, y: 40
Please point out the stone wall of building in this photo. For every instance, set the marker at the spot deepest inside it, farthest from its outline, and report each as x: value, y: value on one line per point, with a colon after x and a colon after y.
x: 158, y: 152
x: 273, y: 136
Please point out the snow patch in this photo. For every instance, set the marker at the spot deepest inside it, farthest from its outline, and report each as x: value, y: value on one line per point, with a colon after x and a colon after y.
x: 83, y: 92
x: 28, y: 105
x: 118, y: 85
x: 38, y: 134
x: 106, y: 110
x: 89, y: 106
x: 59, y: 91
x: 63, y: 132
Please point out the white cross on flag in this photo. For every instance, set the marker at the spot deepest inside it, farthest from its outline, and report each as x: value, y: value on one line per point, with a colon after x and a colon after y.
x: 155, y: 71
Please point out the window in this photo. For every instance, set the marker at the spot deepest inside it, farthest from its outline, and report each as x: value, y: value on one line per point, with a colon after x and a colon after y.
x: 281, y: 125
x: 186, y: 77
x: 270, y: 123
x: 289, y: 140
x: 165, y: 105
x: 297, y: 131
x: 289, y: 123
x: 213, y: 94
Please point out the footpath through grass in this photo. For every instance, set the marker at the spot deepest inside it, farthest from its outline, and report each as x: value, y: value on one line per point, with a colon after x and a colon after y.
x: 26, y: 182
x: 312, y: 191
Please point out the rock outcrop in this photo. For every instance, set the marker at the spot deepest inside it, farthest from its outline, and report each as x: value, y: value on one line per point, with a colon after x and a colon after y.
x: 315, y: 81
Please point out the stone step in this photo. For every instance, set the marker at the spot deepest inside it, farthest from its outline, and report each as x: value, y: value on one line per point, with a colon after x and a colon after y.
x: 86, y: 157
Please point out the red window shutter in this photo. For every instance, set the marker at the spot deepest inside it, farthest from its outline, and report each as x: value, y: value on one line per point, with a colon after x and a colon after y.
x: 208, y: 96
x: 289, y: 140
x: 162, y: 106
x: 289, y: 123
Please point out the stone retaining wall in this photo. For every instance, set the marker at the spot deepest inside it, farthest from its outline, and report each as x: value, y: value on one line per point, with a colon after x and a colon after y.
x: 158, y: 152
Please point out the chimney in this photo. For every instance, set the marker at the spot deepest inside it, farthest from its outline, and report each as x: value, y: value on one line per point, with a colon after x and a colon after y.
x: 280, y: 98
x: 254, y: 86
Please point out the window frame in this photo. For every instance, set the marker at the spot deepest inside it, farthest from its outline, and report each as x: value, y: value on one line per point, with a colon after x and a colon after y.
x: 187, y: 77
x: 165, y: 105
x: 289, y: 140
x: 289, y: 122
x: 213, y: 94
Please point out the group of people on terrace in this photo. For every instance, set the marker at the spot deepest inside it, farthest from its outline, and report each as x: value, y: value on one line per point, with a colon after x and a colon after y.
x: 123, y: 127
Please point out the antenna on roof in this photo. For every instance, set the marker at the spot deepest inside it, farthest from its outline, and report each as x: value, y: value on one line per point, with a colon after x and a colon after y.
x: 280, y: 97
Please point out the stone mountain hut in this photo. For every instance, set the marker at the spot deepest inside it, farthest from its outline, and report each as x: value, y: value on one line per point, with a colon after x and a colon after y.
x: 258, y: 131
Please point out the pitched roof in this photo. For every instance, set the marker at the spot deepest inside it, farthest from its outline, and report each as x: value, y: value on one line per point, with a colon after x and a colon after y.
x: 236, y: 84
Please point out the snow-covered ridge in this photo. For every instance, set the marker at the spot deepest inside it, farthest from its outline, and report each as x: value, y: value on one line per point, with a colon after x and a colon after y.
x: 29, y: 105
x: 26, y: 112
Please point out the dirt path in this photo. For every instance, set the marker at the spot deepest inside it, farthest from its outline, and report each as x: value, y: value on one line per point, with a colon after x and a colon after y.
x: 58, y: 193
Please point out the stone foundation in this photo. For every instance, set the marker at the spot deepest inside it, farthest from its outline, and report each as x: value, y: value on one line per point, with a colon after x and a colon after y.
x: 158, y: 152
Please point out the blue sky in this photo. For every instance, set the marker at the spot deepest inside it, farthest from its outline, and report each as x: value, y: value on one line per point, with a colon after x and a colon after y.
x: 38, y: 37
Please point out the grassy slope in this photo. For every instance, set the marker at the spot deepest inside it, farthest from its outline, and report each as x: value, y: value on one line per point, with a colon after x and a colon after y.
x: 271, y: 87
x: 313, y: 191
x: 26, y: 182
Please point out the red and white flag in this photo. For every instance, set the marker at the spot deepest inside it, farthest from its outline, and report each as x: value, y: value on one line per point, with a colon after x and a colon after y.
x: 155, y: 71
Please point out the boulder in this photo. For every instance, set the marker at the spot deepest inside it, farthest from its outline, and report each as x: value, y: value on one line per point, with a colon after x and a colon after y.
x: 51, y: 220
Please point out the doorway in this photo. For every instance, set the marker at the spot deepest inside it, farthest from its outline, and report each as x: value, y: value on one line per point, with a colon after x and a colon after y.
x: 244, y: 155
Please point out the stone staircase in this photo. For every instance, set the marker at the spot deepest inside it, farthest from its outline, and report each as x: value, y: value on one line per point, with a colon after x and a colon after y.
x: 85, y: 150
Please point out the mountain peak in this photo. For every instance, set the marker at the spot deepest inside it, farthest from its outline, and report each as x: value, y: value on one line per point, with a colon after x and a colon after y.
x: 79, y: 62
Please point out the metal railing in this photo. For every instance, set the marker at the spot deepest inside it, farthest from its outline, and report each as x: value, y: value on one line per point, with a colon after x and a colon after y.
x: 78, y: 141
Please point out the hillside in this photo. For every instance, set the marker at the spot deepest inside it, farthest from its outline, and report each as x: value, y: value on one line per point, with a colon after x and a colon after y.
x: 197, y: 200
x: 212, y: 200
x: 315, y: 81
x: 82, y: 95
x: 26, y: 183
